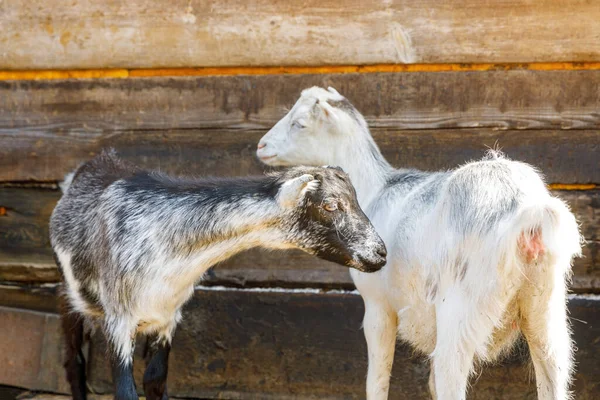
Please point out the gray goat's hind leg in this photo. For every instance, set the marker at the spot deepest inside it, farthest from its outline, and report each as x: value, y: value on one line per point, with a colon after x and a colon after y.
x: 73, y: 327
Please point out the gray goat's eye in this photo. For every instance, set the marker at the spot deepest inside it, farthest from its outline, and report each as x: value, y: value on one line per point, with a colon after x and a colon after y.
x: 331, y: 206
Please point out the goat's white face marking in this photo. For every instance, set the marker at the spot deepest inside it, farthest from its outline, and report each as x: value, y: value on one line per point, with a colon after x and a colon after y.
x: 306, y: 134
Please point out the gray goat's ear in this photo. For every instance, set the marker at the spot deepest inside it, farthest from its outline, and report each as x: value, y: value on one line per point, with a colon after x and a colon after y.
x: 293, y: 191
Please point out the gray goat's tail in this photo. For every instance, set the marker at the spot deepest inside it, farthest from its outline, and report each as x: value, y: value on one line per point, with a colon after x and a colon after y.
x: 106, y: 157
x: 64, y: 185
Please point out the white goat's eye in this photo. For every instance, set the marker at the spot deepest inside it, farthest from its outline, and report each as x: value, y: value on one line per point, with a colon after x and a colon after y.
x: 330, y: 206
x: 298, y: 125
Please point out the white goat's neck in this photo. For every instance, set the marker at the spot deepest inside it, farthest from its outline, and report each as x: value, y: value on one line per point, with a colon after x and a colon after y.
x: 364, y: 163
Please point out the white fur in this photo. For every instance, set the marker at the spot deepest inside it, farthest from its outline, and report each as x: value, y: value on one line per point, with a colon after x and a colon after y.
x: 455, y: 296
x: 64, y: 185
x: 71, y: 284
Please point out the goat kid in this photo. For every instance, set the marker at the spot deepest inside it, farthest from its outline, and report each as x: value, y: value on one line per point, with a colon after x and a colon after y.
x: 477, y: 254
x: 131, y: 245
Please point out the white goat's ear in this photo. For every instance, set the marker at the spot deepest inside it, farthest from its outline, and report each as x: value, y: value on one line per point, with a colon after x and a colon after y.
x: 332, y: 90
x: 326, y: 110
x: 293, y: 191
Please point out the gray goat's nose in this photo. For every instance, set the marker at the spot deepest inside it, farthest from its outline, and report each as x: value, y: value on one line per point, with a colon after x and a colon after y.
x: 261, y: 145
x: 382, y: 252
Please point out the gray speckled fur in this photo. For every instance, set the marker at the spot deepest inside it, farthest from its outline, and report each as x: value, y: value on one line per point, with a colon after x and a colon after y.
x: 132, y: 243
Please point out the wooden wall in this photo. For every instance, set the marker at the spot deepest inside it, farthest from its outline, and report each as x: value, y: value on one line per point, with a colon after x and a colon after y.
x: 191, y: 87
x: 185, y: 33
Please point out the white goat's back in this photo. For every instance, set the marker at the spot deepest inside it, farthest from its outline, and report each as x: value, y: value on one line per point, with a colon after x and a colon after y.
x: 466, y: 228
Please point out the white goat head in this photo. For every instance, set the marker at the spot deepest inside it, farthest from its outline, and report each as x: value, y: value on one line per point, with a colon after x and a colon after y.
x: 311, y: 130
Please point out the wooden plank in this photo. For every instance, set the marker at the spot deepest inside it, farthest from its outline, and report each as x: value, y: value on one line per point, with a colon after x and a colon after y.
x: 50, y: 396
x: 26, y: 256
x: 125, y: 34
x: 10, y: 392
x: 46, y: 128
x: 31, y: 350
x: 565, y: 156
x: 36, y: 297
x: 514, y: 99
x: 24, y: 227
x: 243, y: 344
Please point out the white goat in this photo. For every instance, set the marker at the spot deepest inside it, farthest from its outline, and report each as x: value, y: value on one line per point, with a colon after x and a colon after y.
x: 476, y: 255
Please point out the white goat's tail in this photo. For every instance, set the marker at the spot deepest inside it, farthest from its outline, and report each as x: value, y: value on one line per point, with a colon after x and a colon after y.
x: 554, y: 228
x: 550, y: 231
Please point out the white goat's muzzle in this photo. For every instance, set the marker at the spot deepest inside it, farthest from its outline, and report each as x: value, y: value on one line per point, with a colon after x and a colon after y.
x: 266, y: 153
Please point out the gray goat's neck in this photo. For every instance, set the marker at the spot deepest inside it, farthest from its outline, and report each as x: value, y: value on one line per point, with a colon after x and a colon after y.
x: 215, y: 238
x: 366, y: 166
x: 251, y: 224
x: 243, y: 222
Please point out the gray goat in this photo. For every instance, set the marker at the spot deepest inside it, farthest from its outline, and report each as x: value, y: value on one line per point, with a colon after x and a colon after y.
x: 131, y: 244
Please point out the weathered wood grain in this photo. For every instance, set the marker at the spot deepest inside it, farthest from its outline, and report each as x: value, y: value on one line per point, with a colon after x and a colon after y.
x: 565, y: 156
x: 266, y: 32
x: 26, y: 256
x: 31, y: 350
x: 24, y: 394
x: 212, y: 124
x: 293, y: 345
x: 515, y: 99
x: 24, y: 227
x: 41, y: 298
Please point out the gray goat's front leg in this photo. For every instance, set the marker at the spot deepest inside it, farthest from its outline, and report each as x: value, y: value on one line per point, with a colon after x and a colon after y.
x: 157, y: 366
x: 120, y: 333
x: 123, y: 380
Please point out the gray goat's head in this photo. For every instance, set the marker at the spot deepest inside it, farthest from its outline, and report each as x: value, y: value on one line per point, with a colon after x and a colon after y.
x: 325, y: 219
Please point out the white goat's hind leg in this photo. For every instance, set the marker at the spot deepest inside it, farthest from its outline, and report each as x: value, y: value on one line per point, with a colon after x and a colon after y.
x: 464, y: 326
x: 546, y: 329
x: 380, y: 325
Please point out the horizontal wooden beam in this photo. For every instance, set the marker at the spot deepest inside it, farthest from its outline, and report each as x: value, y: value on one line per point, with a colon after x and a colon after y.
x: 146, y: 34
x: 246, y: 344
x: 514, y: 99
x: 424, y: 120
x: 16, y: 393
x: 46, y: 74
x: 568, y: 159
x: 26, y: 256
